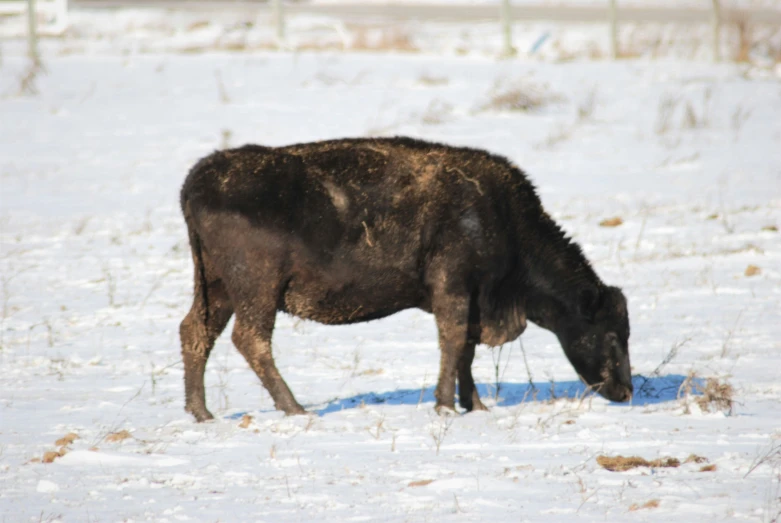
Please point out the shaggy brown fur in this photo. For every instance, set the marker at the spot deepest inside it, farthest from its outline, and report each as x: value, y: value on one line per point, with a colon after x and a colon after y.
x: 347, y: 231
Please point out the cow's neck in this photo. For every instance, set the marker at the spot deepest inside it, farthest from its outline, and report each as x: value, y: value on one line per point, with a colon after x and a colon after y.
x: 557, y: 272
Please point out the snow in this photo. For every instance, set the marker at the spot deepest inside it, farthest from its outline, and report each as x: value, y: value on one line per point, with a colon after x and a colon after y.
x: 96, y: 275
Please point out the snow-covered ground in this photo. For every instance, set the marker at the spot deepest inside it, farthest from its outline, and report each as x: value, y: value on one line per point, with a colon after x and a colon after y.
x: 95, y: 275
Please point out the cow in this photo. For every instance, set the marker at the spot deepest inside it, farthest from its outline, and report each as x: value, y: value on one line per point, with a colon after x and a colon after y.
x: 352, y: 230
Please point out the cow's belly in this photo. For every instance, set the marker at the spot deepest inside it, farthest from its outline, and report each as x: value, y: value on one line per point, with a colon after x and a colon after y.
x: 375, y: 294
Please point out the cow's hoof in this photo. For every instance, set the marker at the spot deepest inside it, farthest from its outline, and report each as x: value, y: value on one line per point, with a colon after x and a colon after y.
x: 446, y: 410
x: 202, y: 414
x: 478, y: 406
x: 296, y: 411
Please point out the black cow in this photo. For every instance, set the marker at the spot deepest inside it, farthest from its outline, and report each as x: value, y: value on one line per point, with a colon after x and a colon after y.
x: 352, y: 230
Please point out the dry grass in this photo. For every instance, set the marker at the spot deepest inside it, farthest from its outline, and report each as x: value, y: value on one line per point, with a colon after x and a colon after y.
x: 745, y: 38
x: 226, y: 134
x: 432, y: 81
x: 436, y: 113
x: 420, y: 483
x: 67, y: 439
x: 716, y: 394
x: 694, y: 458
x: 561, y: 133
x: 200, y: 24
x: 382, y: 39
x: 27, y: 83
x: 115, y: 437
x: 752, y: 270
x: 50, y: 456
x: 587, y: 106
x: 653, y: 503
x: 708, y: 468
x: 246, y: 421
x: 611, y: 222
x: 223, y: 93
x: 621, y: 463
x: 665, y: 114
x: 519, y: 97
x: 676, y: 113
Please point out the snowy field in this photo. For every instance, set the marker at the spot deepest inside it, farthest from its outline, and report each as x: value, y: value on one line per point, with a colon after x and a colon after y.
x: 95, y: 276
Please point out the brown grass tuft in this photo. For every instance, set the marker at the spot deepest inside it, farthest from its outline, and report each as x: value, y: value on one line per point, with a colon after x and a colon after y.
x: 520, y: 97
x: 611, y: 222
x: 67, y: 439
x: 694, y: 458
x: 420, y: 483
x: 708, y: 468
x: 752, y: 270
x: 115, y: 437
x: 50, y: 456
x: 515, y: 99
x: 621, y: 463
x: 246, y: 421
x: 648, y: 504
x: 716, y: 394
x: 770, y: 228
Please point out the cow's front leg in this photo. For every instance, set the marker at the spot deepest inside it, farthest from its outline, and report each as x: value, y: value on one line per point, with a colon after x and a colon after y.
x: 452, y: 315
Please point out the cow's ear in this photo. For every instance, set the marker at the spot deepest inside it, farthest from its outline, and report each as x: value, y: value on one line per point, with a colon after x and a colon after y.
x: 588, y: 301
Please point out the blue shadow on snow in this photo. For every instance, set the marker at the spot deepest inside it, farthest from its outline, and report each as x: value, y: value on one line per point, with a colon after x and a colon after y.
x: 648, y: 391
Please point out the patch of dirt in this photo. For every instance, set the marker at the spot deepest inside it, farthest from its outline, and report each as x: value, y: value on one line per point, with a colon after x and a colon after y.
x: 246, y: 421
x: 753, y: 270
x: 621, y: 463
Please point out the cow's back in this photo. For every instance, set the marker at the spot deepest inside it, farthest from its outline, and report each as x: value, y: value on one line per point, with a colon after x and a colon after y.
x: 361, y: 219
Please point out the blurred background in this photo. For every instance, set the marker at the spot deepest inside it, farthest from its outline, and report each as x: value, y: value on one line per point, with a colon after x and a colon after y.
x: 733, y: 30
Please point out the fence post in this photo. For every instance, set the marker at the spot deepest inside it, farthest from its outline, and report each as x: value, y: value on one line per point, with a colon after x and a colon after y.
x: 613, y: 19
x: 32, y: 36
x: 507, y: 30
x: 716, y: 21
x: 279, y: 22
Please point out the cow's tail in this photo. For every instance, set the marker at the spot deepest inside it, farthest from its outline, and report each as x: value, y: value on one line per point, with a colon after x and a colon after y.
x: 201, y: 287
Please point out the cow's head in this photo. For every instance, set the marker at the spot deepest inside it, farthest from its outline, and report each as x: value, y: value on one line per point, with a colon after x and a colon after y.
x: 594, y: 333
x: 596, y: 341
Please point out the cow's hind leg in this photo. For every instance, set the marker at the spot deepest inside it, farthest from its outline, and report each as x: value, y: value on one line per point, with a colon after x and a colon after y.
x: 467, y: 392
x: 451, y: 312
x: 252, y: 336
x: 198, y: 331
